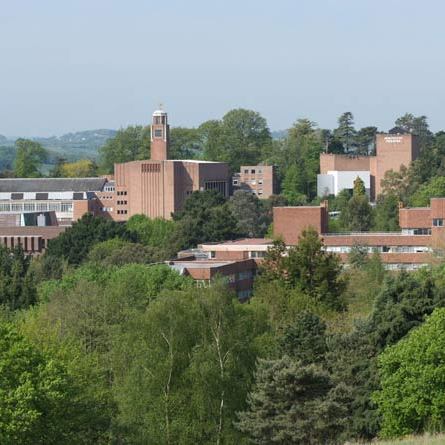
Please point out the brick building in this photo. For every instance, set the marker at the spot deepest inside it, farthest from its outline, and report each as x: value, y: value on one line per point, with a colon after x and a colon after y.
x: 261, y: 180
x: 239, y: 274
x: 157, y: 188
x: 422, y: 234
x: 338, y: 172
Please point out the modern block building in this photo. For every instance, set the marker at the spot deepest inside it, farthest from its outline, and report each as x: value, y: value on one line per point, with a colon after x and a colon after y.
x: 338, y: 172
x: 261, y: 180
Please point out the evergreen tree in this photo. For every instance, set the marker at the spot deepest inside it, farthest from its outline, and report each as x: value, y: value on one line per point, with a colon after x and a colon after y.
x: 345, y: 132
x: 293, y: 404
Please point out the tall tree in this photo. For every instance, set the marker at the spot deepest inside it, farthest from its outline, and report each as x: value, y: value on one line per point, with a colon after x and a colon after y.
x: 206, y: 217
x: 345, y: 132
x: 240, y: 138
x: 417, y: 125
x: 129, y: 144
x: 365, y: 140
x: 246, y: 209
x: 29, y: 157
x: 185, y: 143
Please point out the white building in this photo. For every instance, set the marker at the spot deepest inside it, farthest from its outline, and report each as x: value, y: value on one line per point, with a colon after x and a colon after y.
x: 334, y: 181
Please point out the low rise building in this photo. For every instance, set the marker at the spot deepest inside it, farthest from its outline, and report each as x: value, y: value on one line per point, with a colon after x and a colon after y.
x: 421, y: 237
x: 261, y: 180
x: 239, y: 274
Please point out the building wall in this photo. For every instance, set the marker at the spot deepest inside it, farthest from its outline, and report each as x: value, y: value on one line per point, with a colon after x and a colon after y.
x: 159, y: 188
x: 335, y: 181
x: 415, y: 218
x: 330, y: 161
x: 258, y: 179
x: 289, y: 222
x: 393, y: 151
x: 32, y: 239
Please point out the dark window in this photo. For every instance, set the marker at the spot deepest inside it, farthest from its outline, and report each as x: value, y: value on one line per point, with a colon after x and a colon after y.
x: 253, y: 172
x: 158, y: 132
x: 438, y: 222
x: 77, y: 195
x: 16, y: 195
x: 246, y: 172
x: 41, y: 196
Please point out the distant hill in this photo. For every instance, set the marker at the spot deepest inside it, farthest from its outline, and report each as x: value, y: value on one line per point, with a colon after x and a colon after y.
x: 78, y: 145
x: 70, y: 146
x: 279, y: 134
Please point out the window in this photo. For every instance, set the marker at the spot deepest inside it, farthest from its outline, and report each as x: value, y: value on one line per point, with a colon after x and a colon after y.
x: 438, y: 222
x: 212, y: 254
x: 77, y: 195
x: 422, y: 231
x: 158, y: 133
x: 260, y: 171
x: 245, y: 275
x: 235, y: 182
x: 219, y: 186
x: 257, y: 254
x: 16, y: 195
x: 252, y: 171
x: 41, y: 195
x: 260, y: 181
x: 260, y: 191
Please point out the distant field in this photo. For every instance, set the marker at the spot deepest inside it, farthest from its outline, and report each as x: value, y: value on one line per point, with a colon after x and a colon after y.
x: 418, y: 440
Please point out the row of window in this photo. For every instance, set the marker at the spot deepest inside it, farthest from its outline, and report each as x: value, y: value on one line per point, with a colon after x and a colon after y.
x: 381, y: 249
x: 257, y: 254
x: 421, y: 231
x: 122, y: 193
x: 35, y: 206
x: 219, y: 186
x: 122, y: 212
x: 122, y: 203
x: 253, y: 171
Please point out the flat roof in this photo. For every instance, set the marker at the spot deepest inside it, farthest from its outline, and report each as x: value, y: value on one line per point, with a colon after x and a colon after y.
x: 242, y: 242
x: 200, y: 264
x: 20, y: 185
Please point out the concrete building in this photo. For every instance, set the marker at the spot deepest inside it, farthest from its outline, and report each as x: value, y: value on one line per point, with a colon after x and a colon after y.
x: 338, y: 172
x: 261, y: 180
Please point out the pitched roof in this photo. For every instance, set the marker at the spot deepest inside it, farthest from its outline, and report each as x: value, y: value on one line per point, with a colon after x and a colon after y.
x: 51, y: 184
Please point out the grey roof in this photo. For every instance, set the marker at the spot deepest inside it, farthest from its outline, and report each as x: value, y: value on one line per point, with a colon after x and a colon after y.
x: 21, y: 185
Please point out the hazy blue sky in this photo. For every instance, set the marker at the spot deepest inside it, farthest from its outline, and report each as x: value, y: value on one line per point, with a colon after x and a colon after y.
x: 69, y: 65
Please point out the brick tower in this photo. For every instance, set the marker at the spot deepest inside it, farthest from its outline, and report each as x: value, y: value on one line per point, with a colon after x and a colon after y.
x: 159, y: 136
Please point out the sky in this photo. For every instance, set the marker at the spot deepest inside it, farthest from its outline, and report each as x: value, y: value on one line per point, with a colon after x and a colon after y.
x: 75, y: 65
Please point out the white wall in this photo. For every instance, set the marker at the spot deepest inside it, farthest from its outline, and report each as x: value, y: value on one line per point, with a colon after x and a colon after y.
x: 335, y: 181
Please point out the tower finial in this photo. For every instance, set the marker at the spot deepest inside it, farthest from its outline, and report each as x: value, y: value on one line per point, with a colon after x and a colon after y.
x: 161, y: 106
